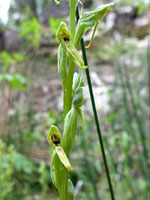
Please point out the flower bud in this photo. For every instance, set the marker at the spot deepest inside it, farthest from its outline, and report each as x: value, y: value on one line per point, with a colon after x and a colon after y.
x: 77, y: 82
x: 78, y: 99
x: 70, y: 125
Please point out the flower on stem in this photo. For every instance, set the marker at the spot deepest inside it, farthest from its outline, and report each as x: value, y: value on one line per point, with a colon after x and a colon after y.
x: 90, y: 19
x: 64, y: 37
x: 54, y: 138
x: 63, y: 33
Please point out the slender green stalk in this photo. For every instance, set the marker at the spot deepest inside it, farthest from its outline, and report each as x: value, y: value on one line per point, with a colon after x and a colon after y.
x: 72, y: 18
x: 68, y: 95
x: 63, y: 192
x: 95, y: 115
x: 69, y: 87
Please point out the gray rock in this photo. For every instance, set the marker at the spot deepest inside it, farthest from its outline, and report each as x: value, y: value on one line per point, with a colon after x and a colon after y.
x: 110, y: 21
x: 11, y: 41
x: 141, y: 26
x: 87, y: 3
x: 56, y: 11
x: 1, y: 40
x: 126, y: 11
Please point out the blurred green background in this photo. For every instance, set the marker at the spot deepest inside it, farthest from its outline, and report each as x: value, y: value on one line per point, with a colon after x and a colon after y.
x: 31, y: 101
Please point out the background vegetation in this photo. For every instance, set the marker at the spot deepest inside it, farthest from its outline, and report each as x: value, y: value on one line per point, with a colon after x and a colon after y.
x: 30, y: 91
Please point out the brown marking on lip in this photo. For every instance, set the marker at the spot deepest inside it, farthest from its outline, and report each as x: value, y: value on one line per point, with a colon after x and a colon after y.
x: 66, y: 39
x: 55, y: 140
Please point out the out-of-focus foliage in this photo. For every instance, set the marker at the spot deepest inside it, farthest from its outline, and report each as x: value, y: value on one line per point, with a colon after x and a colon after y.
x: 6, y: 170
x: 140, y: 4
x: 16, y: 80
x: 54, y: 23
x: 31, y: 7
x: 30, y: 31
x: 134, y: 2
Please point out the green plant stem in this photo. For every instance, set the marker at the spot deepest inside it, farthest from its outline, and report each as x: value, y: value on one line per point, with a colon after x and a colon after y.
x: 68, y: 102
x: 95, y: 114
x: 72, y: 18
x: 64, y: 105
x: 63, y: 192
x: 68, y: 95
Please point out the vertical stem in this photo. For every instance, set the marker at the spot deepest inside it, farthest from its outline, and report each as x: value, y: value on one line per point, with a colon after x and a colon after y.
x: 95, y: 115
x: 72, y: 18
x: 63, y: 192
x: 68, y: 102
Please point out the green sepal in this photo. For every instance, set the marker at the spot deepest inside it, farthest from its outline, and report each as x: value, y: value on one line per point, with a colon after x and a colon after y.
x: 74, y: 54
x: 78, y: 98
x: 81, y: 118
x: 77, y: 82
x: 56, y: 168
x: 54, y: 136
x: 62, y: 64
x: 70, y: 124
x: 63, y: 34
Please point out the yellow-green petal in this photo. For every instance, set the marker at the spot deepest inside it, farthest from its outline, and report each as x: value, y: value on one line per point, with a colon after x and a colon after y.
x: 74, y: 54
x: 63, y: 158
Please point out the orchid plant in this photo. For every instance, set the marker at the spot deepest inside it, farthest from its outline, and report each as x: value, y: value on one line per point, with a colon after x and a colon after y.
x: 72, y: 85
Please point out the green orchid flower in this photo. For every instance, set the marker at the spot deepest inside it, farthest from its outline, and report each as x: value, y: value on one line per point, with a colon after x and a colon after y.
x: 64, y: 37
x: 90, y: 19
